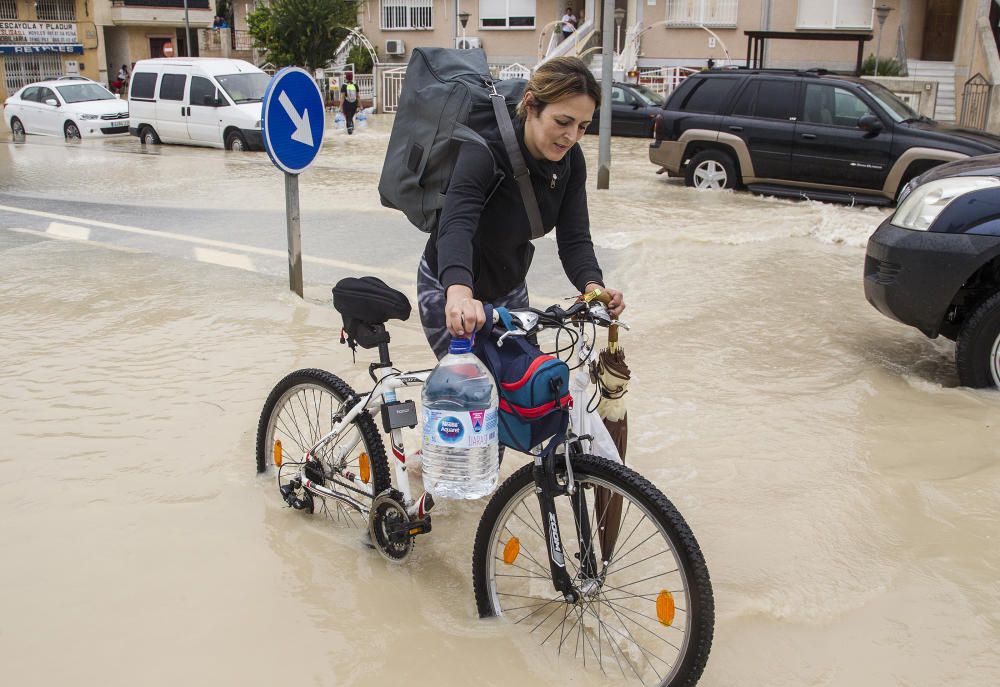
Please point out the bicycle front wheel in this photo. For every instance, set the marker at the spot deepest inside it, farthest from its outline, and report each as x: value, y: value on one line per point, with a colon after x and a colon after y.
x: 645, y: 610
x: 300, y: 410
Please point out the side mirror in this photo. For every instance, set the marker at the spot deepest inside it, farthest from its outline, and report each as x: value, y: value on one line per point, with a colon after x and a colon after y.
x: 52, y: 102
x: 870, y: 123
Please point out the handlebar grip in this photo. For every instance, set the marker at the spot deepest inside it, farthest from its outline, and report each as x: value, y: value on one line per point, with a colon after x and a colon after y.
x: 598, y: 295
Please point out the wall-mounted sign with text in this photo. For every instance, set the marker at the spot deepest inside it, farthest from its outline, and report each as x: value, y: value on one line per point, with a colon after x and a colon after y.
x: 23, y: 32
x: 76, y: 49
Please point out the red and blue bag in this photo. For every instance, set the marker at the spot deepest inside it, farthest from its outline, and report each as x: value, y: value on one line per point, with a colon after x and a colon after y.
x: 533, y: 389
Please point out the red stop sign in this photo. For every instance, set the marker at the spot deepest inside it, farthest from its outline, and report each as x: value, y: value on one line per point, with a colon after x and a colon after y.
x: 168, y: 49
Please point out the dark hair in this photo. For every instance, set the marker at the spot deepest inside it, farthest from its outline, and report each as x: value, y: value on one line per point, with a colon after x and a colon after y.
x: 555, y: 79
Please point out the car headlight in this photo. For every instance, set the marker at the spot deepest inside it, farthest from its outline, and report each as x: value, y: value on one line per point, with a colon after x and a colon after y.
x: 90, y: 116
x: 924, y: 203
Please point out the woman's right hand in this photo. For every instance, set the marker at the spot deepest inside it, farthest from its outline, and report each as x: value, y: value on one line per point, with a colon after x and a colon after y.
x: 463, y: 313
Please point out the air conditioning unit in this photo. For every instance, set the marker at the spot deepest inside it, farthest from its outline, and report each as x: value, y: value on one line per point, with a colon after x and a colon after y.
x: 395, y: 47
x: 470, y: 43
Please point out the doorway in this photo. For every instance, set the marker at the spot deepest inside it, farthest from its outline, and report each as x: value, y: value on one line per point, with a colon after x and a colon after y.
x: 157, y: 45
x: 940, y: 28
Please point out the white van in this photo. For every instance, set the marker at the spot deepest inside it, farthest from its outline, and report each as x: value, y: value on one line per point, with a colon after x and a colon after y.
x: 203, y: 101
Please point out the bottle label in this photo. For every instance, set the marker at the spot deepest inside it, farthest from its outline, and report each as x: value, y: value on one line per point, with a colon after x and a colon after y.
x: 468, y: 429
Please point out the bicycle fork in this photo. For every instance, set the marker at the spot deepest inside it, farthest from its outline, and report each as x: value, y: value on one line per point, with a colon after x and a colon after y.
x: 547, y: 488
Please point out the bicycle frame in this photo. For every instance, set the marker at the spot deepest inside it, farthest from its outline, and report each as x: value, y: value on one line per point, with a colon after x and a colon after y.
x: 387, y: 381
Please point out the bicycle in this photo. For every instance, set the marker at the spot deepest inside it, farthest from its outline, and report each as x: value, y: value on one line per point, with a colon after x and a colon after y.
x: 638, y: 602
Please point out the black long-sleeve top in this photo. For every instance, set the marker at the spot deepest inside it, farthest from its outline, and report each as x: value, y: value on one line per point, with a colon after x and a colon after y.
x: 483, y: 239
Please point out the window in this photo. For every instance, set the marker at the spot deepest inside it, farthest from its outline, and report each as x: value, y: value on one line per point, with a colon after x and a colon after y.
x: 834, y: 14
x: 20, y: 70
x: 56, y: 10
x: 833, y: 106
x: 8, y: 9
x: 709, y: 95
x: 507, y: 14
x: 618, y: 96
x: 46, y: 94
x: 406, y: 14
x: 203, y: 91
x: 776, y: 100
x: 143, y: 86
x: 172, y: 86
x: 705, y: 12
x: 84, y: 93
x: 744, y: 104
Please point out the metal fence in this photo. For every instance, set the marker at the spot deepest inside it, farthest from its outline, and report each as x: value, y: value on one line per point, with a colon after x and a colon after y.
x: 20, y: 70
x: 663, y: 80
x: 392, y: 85
x: 242, y: 40
x: 975, y: 103
x: 8, y: 9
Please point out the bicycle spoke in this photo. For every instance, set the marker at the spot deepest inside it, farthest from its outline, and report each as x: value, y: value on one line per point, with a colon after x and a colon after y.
x: 543, y: 575
x: 631, y: 612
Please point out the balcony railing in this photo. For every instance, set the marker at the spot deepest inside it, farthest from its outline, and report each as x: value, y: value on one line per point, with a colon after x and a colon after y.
x: 178, y: 4
x: 8, y: 9
x: 56, y: 10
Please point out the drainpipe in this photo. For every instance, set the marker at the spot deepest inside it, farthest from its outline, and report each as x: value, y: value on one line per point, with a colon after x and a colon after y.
x: 765, y: 25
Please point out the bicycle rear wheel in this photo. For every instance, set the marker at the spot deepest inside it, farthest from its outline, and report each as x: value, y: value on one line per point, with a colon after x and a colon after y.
x: 646, y: 614
x: 299, y: 411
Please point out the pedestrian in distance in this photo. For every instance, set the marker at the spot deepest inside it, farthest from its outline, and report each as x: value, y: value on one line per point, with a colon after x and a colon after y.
x: 481, y: 248
x: 122, y: 80
x: 349, y: 101
x: 569, y: 22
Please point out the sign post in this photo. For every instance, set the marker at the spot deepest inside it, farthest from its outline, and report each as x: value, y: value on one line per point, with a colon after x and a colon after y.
x: 293, y: 120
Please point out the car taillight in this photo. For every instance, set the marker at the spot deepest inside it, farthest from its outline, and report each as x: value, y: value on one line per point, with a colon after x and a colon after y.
x: 658, y: 128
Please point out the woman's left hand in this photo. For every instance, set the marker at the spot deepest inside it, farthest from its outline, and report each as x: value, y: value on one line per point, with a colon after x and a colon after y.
x: 617, y: 304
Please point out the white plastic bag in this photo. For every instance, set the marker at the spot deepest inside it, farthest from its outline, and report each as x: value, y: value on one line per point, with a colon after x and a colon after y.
x: 585, y: 422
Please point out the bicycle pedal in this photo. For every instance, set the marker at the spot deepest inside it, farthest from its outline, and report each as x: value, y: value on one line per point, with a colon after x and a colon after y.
x: 411, y: 528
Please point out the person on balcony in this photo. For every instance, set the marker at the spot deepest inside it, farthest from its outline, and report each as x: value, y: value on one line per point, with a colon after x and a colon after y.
x: 569, y: 22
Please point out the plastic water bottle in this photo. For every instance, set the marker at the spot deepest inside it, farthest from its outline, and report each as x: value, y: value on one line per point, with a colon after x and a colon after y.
x: 460, y: 427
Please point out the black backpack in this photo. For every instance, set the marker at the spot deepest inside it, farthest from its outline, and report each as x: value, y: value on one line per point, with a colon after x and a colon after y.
x: 448, y: 97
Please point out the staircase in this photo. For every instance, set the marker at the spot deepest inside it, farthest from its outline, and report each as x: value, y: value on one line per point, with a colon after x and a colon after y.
x: 944, y: 74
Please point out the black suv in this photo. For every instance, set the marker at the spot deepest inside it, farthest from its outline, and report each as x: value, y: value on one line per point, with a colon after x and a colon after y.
x: 935, y: 263
x: 802, y: 134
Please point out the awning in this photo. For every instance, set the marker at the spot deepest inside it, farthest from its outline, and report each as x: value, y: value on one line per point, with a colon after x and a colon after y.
x: 69, y: 48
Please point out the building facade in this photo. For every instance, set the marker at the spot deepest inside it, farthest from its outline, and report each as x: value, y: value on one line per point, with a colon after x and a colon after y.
x: 45, y: 39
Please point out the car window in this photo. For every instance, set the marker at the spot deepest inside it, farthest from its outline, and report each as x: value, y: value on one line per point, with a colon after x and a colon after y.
x: 681, y: 92
x: 143, y: 85
x: 203, y: 91
x: 895, y: 107
x: 617, y: 95
x: 709, y: 95
x: 46, y: 94
x: 84, y: 92
x: 30, y: 94
x: 832, y: 105
x: 744, y: 103
x: 776, y: 99
x: 244, y: 88
x: 172, y: 86
x: 650, y: 96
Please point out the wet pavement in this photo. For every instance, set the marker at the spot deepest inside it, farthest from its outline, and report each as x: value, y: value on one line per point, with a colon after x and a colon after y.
x: 842, y: 487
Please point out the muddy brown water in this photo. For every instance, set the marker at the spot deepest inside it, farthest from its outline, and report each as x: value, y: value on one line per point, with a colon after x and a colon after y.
x: 842, y: 487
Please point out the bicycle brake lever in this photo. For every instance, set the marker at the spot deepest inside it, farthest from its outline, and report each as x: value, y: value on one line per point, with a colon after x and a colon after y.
x: 512, y: 332
x: 620, y: 323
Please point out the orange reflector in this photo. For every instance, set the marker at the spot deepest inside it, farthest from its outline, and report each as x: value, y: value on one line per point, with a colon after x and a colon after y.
x: 665, y: 607
x: 364, y: 467
x: 511, y: 550
x: 277, y: 452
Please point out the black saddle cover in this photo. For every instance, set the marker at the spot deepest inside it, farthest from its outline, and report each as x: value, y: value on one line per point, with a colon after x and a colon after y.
x: 367, y: 303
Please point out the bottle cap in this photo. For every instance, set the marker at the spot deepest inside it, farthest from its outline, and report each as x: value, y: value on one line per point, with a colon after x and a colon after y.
x: 460, y: 345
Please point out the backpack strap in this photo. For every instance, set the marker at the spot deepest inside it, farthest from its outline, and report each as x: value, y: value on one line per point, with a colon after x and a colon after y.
x: 521, y: 175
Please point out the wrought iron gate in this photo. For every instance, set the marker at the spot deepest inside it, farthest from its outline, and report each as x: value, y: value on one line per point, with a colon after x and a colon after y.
x: 975, y: 103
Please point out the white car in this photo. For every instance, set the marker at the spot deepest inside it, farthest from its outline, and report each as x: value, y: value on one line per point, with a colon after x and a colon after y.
x: 70, y: 108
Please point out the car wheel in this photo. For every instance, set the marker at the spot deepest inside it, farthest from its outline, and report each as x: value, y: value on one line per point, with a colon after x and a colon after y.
x: 711, y: 169
x: 16, y: 128
x: 148, y: 136
x: 71, y: 131
x: 978, y: 351
x: 235, y: 141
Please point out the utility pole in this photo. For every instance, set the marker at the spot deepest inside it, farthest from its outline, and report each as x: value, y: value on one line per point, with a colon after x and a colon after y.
x: 607, y: 74
x: 187, y: 30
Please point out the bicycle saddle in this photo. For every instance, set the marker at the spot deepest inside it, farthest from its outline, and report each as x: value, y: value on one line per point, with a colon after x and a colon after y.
x: 370, y: 300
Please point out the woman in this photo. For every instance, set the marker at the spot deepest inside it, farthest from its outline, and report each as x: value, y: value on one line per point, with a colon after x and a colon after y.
x: 482, y: 248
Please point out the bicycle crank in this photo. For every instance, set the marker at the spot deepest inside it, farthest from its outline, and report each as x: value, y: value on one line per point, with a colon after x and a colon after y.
x: 391, y: 529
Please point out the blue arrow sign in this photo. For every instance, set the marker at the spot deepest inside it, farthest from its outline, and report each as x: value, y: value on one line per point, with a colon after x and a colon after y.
x: 293, y: 120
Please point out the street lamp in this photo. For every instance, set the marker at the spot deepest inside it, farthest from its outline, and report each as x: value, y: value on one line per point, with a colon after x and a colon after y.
x: 619, y: 20
x: 463, y: 17
x: 881, y: 12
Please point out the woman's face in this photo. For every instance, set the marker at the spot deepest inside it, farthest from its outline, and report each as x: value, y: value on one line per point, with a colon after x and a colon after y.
x: 550, y: 134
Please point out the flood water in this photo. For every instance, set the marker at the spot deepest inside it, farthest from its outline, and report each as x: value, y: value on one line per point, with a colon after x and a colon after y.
x: 842, y: 487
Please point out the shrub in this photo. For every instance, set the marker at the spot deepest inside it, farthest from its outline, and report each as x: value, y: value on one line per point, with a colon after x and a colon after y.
x: 886, y: 67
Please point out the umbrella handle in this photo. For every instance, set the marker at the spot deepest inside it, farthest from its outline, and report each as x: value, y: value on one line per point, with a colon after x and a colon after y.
x: 605, y: 297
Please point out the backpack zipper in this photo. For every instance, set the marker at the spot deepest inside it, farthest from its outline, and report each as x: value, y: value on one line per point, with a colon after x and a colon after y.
x: 555, y: 178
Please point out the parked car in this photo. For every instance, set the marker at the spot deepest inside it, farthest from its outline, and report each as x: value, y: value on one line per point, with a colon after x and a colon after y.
x: 935, y: 263
x: 807, y: 134
x: 633, y: 111
x: 70, y: 108
x: 203, y: 101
